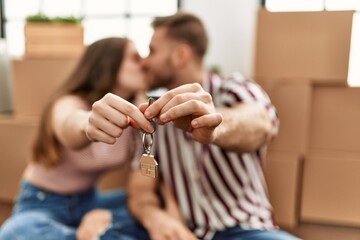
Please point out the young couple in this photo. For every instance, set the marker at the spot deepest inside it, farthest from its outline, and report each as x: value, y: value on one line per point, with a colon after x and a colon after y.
x: 209, y: 144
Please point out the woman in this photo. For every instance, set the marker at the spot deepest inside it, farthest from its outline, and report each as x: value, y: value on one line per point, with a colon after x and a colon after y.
x: 58, y: 186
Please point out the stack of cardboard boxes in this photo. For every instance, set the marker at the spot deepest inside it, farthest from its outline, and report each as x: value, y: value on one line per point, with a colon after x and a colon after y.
x: 53, y: 39
x: 33, y: 82
x: 313, y: 165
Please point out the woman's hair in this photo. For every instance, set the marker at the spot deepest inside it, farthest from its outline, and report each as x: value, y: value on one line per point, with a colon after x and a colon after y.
x: 94, y: 76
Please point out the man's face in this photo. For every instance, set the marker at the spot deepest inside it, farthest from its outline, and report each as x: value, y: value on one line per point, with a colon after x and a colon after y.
x: 158, y: 66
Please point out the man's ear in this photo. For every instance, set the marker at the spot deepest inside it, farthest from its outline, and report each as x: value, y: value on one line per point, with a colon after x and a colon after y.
x: 181, y: 55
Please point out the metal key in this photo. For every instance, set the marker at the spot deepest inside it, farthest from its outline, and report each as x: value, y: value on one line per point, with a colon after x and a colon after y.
x: 148, y: 164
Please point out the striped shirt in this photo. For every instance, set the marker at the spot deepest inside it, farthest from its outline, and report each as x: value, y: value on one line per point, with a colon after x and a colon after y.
x: 217, y: 189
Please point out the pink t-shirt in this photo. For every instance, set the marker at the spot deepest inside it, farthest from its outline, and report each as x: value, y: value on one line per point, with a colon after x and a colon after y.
x: 78, y: 170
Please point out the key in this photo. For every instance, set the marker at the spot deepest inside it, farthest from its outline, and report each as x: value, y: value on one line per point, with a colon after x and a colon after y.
x: 148, y: 164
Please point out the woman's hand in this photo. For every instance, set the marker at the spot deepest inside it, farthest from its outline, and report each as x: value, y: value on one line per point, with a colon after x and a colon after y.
x: 110, y: 116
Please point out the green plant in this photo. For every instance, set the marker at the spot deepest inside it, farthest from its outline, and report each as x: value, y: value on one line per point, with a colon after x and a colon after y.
x: 38, y: 18
x: 45, y: 19
x: 69, y: 19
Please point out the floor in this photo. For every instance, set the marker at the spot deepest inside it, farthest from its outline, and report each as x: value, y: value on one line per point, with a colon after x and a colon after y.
x: 326, y: 232
x: 305, y: 231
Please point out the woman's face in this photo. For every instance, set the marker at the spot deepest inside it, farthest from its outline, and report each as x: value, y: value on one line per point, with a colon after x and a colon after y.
x: 130, y: 79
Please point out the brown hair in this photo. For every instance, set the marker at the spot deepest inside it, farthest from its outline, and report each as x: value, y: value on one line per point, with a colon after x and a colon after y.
x: 187, y: 28
x: 93, y: 77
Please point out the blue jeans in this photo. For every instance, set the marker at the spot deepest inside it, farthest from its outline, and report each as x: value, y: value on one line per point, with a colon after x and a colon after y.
x: 237, y: 233
x: 135, y: 231
x: 39, y: 214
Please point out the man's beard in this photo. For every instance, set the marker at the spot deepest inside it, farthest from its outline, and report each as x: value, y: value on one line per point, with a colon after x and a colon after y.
x: 161, y: 82
x: 165, y: 79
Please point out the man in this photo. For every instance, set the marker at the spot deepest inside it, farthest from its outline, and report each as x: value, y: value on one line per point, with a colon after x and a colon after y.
x: 210, y: 156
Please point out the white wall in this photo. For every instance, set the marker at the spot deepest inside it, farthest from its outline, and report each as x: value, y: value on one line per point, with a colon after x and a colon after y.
x: 231, y: 26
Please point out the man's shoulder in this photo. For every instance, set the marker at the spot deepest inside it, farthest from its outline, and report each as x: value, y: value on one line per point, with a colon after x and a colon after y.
x: 235, y: 77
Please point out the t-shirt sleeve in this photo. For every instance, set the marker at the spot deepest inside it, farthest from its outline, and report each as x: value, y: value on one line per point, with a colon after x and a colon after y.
x: 238, y: 89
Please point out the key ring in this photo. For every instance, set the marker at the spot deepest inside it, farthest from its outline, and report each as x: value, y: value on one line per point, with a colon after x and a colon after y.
x: 152, y: 122
x: 148, y: 164
x: 147, y: 148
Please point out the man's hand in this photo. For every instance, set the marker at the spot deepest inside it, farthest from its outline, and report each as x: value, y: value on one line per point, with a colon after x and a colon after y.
x: 189, y: 108
x: 165, y: 227
x: 93, y: 224
x: 110, y: 116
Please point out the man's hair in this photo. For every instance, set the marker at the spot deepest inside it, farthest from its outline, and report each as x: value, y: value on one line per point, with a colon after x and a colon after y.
x: 186, y: 28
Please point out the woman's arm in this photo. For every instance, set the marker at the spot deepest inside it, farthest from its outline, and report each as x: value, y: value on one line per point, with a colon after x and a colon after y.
x: 76, y: 124
x: 69, y: 118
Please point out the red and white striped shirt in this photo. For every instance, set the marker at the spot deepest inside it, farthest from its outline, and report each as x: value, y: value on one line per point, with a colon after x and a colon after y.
x: 217, y: 189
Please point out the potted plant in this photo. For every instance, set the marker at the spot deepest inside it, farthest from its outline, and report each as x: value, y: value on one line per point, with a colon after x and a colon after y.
x: 53, y: 37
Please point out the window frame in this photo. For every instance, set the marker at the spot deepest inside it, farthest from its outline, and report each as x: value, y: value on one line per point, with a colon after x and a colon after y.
x: 324, y: 8
x: 126, y: 16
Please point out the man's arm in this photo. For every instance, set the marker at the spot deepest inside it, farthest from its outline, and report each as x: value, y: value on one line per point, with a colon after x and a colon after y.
x: 142, y: 199
x: 145, y: 207
x: 241, y: 128
x: 245, y: 128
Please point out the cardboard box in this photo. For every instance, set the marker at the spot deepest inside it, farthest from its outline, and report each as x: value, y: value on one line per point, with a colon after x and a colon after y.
x: 53, y: 40
x: 16, y: 139
x: 335, y: 119
x: 34, y: 82
x: 5, y: 211
x: 331, y: 191
x: 337, y: 154
x: 293, y: 100
x: 306, y: 45
x: 283, y: 175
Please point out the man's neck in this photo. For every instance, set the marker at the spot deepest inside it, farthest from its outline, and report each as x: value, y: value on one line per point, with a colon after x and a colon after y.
x: 190, y: 75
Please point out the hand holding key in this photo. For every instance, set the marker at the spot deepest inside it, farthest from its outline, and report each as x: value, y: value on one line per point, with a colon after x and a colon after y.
x: 189, y: 108
x: 110, y: 116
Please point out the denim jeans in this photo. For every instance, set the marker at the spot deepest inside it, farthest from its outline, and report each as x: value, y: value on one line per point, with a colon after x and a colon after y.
x: 39, y: 214
x: 237, y: 233
x: 135, y: 231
